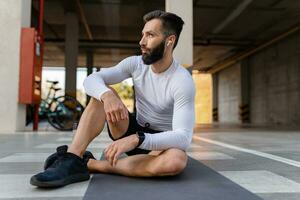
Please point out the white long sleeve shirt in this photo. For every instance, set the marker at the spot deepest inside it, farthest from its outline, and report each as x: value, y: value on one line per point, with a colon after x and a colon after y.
x: 164, y: 100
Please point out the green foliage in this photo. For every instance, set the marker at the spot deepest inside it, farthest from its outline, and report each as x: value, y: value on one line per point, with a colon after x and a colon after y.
x: 124, y: 90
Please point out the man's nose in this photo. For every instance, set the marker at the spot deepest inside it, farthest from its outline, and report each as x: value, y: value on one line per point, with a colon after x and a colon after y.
x: 142, y: 42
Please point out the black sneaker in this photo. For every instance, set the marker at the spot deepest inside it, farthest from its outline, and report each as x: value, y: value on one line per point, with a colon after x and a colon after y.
x: 53, y: 157
x: 50, y: 161
x: 68, y: 168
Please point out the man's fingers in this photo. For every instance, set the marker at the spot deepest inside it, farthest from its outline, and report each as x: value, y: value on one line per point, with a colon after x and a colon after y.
x: 117, y: 116
x: 108, y: 117
x: 111, y: 156
x: 116, y: 113
x: 122, y: 115
x: 116, y: 158
x: 108, y: 155
x: 113, y: 118
x: 108, y: 151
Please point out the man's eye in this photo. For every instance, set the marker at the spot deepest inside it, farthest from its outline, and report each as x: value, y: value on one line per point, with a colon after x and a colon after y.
x: 150, y: 35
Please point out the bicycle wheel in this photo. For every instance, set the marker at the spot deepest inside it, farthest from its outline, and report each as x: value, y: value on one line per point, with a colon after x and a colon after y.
x: 67, y: 112
x: 52, y: 119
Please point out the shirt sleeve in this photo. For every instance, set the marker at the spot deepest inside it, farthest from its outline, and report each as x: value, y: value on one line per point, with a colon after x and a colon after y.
x: 182, y: 125
x: 96, y: 83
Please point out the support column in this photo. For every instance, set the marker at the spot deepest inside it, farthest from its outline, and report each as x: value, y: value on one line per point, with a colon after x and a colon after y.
x: 71, y: 52
x: 244, y: 106
x: 183, y: 53
x: 13, y: 16
x: 215, y: 103
x: 89, y: 65
x: 89, y: 62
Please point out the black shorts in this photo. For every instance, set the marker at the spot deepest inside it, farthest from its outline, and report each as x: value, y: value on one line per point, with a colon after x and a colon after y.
x: 132, y: 129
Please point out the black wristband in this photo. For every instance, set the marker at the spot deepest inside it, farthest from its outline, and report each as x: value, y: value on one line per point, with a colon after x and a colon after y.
x: 141, y: 137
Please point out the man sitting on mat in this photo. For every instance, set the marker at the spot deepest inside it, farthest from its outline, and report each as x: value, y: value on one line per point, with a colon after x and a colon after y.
x: 157, y: 136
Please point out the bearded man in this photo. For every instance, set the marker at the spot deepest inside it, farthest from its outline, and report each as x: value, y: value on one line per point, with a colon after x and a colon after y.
x: 156, y: 137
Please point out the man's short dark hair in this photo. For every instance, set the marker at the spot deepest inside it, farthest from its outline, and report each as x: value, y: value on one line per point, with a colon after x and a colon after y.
x: 171, y: 23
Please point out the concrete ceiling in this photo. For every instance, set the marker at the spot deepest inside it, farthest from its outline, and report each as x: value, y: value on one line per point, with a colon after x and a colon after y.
x: 221, y: 27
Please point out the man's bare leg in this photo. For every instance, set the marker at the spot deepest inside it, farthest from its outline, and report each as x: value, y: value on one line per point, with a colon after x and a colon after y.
x: 90, y: 126
x: 168, y: 162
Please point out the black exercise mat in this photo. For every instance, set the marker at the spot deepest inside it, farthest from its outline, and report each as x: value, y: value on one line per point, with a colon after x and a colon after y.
x: 197, y: 182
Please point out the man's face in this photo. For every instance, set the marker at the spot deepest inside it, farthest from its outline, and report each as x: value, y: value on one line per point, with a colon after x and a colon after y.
x: 152, y: 42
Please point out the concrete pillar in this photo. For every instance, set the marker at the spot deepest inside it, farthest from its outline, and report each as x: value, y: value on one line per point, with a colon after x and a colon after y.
x: 244, y: 105
x: 183, y: 53
x: 89, y: 62
x: 229, y: 93
x: 14, y: 15
x: 71, y: 52
x: 89, y: 65
x: 215, y: 102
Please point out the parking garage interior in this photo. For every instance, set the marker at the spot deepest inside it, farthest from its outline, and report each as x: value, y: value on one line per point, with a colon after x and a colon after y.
x: 243, y: 56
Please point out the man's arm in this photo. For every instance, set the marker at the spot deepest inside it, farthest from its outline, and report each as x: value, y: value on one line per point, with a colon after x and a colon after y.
x: 183, y: 123
x: 95, y: 84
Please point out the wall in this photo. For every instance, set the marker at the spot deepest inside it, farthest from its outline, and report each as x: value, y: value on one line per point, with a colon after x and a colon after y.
x: 229, y: 94
x: 12, y: 115
x: 275, y: 83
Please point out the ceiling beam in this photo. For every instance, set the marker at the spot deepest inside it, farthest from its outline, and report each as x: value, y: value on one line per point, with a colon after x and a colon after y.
x: 99, y: 43
x: 198, y: 41
x: 131, y: 44
x: 83, y: 20
x: 232, y: 16
x: 242, y: 55
x: 35, y: 13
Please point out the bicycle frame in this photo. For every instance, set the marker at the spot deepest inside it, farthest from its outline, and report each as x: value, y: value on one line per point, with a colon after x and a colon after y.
x: 47, y: 103
x: 62, y: 111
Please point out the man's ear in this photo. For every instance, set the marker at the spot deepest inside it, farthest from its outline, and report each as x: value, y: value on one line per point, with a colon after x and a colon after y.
x: 171, y: 40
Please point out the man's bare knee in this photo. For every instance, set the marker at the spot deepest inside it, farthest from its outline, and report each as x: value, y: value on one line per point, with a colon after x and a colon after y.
x: 176, y: 161
x: 172, y: 162
x: 117, y: 129
x: 95, y: 102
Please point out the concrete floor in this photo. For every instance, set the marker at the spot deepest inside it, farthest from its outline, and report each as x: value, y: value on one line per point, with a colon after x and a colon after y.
x: 264, y: 161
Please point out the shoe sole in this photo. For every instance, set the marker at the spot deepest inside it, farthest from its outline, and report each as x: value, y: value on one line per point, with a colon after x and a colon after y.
x: 60, y: 183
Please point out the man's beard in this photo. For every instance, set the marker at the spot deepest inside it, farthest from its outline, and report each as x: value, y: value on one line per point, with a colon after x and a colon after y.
x: 155, y: 54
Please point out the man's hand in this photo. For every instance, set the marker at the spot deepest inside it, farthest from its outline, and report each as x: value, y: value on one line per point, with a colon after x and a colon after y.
x: 114, y: 108
x: 115, y: 149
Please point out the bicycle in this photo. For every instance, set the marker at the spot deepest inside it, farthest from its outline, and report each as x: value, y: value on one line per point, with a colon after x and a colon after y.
x: 62, y: 112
